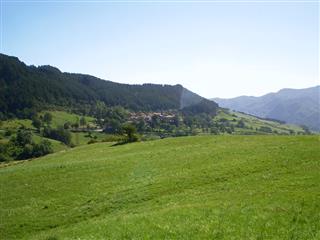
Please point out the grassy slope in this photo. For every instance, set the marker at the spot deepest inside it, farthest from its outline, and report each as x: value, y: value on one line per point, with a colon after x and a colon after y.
x: 81, y: 138
x: 60, y: 118
x: 16, y: 123
x: 209, y: 187
x: 254, y: 122
x: 56, y: 145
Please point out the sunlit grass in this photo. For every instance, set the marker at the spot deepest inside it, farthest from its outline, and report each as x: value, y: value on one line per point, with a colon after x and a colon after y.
x: 210, y: 187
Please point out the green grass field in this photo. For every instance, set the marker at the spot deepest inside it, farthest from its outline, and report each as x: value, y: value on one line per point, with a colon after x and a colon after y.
x: 253, y: 124
x: 204, y: 187
x: 59, y: 118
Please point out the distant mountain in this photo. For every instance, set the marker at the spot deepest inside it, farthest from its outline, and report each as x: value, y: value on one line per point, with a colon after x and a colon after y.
x: 25, y: 89
x: 297, y: 106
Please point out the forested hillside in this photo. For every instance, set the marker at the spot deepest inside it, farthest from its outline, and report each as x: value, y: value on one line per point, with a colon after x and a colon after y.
x: 28, y: 89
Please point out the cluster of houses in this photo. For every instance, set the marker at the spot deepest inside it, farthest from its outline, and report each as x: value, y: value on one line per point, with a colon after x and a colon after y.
x: 147, y: 116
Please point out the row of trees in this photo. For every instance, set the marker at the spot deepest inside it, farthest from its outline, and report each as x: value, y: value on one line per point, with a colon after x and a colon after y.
x: 22, y: 146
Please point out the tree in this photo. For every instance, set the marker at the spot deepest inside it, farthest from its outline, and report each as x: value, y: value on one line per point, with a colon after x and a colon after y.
x: 66, y: 125
x: 113, y: 126
x: 43, y: 148
x: 306, y: 129
x: 241, y: 124
x: 4, y: 155
x: 36, y: 122
x: 155, y: 121
x: 214, y: 130
x: 141, y: 125
x: 27, y: 152
x: 130, y: 132
x: 47, y: 118
x: 23, y: 138
x: 83, y: 121
x: 75, y: 125
x: 176, y: 120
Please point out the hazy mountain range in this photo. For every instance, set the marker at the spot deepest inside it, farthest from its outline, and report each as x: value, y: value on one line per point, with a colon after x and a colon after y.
x: 297, y: 106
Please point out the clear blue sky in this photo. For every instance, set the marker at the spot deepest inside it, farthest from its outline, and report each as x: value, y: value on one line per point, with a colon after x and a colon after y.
x: 213, y: 49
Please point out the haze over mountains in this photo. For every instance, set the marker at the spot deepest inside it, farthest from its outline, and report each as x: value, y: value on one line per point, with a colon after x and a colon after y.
x: 297, y: 106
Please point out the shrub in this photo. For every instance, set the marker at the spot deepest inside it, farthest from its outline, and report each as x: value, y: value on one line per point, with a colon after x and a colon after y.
x: 91, y: 141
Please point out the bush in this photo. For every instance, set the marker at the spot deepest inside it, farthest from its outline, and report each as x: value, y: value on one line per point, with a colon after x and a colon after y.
x: 91, y: 141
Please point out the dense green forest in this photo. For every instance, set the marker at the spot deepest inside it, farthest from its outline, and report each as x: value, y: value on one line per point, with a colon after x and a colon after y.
x: 29, y: 89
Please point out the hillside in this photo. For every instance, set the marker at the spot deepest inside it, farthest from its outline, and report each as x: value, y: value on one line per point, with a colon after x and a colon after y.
x: 26, y: 89
x: 244, y: 124
x: 225, y: 122
x: 297, y: 106
x: 213, y: 187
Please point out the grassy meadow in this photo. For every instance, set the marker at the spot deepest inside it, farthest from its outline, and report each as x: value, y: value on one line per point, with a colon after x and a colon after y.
x: 58, y: 119
x: 202, y: 187
x: 253, y: 124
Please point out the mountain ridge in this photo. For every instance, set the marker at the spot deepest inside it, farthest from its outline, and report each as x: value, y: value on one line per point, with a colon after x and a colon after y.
x: 296, y: 106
